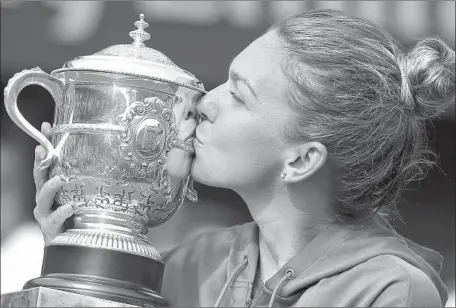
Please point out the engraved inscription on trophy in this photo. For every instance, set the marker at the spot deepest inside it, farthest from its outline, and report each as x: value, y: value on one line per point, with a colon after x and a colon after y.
x: 149, y: 138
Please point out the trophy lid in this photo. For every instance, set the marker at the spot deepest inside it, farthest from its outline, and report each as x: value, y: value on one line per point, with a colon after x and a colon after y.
x: 135, y: 59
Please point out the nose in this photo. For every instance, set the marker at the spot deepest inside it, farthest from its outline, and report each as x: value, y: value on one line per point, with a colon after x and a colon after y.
x: 207, y: 108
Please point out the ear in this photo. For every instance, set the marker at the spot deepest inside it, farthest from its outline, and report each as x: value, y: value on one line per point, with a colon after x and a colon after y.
x: 303, y: 161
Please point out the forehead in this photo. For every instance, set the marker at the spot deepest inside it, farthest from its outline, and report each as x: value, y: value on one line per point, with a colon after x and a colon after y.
x: 261, y: 64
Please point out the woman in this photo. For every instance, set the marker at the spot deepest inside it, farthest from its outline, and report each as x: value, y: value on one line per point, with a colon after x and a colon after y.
x: 319, y: 128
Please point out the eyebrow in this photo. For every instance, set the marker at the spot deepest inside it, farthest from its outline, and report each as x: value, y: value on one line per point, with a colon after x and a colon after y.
x: 238, y: 78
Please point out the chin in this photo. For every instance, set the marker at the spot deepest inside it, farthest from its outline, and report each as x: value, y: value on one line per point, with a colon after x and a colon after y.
x: 199, y: 174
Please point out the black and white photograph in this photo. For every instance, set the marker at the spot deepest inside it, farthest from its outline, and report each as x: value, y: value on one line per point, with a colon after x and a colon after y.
x: 228, y: 153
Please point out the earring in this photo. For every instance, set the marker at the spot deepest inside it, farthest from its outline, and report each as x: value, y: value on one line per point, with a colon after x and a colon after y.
x: 283, y: 175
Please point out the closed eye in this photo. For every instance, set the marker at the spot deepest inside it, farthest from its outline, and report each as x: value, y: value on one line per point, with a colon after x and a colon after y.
x: 236, y: 98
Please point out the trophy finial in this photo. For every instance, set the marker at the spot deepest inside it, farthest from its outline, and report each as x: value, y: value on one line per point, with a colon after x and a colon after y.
x: 139, y: 35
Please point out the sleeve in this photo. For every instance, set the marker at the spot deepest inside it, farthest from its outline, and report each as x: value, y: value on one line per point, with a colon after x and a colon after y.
x: 411, y: 290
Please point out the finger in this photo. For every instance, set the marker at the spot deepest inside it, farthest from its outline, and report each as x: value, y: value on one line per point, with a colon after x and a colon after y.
x: 179, y: 160
x: 179, y: 163
x: 45, y: 198
x: 46, y: 129
x: 40, y: 175
x: 57, y: 218
x: 52, y: 225
x: 187, y: 129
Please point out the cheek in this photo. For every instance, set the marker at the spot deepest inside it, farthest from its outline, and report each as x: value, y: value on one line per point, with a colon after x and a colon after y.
x: 242, y: 149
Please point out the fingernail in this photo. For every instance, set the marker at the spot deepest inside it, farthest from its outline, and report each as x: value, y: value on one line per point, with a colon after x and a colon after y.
x: 54, y: 182
x: 44, y: 164
x: 69, y: 208
x: 39, y: 154
x: 190, y: 140
x: 74, y: 207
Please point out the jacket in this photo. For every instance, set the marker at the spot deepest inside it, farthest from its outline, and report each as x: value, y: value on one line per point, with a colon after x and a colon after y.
x: 345, y: 265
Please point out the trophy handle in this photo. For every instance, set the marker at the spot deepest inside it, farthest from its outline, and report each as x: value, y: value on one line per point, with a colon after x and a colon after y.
x: 19, y: 81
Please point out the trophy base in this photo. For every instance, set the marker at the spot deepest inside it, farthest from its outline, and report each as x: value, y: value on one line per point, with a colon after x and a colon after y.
x: 46, y: 297
x: 102, y: 273
x: 101, y: 288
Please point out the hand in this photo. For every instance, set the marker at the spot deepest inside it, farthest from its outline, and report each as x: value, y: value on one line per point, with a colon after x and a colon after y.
x: 180, y: 157
x: 180, y: 160
x: 51, y: 222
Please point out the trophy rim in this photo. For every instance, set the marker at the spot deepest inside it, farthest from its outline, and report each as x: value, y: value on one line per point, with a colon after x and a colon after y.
x: 143, y: 75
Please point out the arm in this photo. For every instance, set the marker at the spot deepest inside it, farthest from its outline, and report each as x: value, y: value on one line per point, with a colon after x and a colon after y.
x: 412, y: 290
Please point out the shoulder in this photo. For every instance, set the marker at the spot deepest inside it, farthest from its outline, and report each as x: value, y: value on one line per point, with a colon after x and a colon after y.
x: 402, y: 284
x: 381, y: 281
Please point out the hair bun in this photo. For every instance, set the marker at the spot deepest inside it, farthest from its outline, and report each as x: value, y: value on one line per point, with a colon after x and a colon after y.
x: 428, y: 83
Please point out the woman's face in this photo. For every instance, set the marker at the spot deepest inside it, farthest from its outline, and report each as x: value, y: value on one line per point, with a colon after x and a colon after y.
x: 238, y: 144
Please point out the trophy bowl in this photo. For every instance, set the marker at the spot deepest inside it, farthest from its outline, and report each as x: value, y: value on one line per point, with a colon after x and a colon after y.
x: 116, y: 121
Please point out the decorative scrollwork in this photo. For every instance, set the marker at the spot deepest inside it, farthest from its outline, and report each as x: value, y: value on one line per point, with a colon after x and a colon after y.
x: 148, y: 124
x: 124, y: 174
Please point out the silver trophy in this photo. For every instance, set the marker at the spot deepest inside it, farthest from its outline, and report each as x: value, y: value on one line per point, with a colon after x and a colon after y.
x: 117, y: 116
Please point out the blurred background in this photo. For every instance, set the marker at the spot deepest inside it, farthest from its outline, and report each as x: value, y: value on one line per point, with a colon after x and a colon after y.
x: 201, y: 37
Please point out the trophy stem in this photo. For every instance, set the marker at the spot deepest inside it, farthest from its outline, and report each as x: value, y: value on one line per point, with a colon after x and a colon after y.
x: 112, y: 231
x: 91, y: 218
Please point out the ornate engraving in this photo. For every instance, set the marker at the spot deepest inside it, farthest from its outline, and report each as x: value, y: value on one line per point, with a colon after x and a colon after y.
x: 149, y: 139
x: 112, y: 164
x: 149, y: 127
x: 140, y: 187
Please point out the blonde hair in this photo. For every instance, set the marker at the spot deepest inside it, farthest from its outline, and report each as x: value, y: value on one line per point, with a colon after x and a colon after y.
x: 357, y: 93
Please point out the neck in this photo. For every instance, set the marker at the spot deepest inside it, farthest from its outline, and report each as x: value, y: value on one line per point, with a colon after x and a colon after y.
x: 288, y: 217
